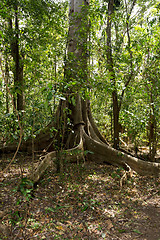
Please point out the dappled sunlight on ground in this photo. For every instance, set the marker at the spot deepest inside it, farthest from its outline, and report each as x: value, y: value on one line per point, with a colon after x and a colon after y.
x: 85, y: 202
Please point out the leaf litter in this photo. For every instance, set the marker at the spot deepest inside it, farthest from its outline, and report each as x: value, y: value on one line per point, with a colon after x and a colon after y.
x: 84, y: 202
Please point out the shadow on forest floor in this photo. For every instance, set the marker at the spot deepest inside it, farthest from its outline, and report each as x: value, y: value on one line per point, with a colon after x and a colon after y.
x: 85, y: 202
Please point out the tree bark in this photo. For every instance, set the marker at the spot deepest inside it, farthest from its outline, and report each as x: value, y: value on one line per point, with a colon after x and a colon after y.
x: 7, y: 81
x: 112, y: 77
x: 18, y: 62
x: 110, y: 65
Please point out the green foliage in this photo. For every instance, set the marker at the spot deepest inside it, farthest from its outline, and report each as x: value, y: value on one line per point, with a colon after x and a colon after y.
x: 42, y: 39
x: 42, y: 43
x: 26, y: 188
x: 136, y: 102
x: 15, y: 217
x: 117, y: 174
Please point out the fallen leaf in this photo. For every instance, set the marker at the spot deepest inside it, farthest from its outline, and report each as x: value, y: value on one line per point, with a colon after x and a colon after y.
x: 109, y: 224
x: 60, y: 228
x: 103, y: 235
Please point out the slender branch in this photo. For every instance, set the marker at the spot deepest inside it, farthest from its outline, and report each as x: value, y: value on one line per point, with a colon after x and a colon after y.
x: 129, y: 49
x: 133, y: 4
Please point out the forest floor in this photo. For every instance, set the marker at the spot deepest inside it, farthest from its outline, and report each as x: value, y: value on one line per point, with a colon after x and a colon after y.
x: 85, y: 202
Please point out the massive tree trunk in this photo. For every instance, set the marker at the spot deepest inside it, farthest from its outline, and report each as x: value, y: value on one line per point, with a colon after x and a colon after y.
x: 79, y: 137
x: 85, y: 137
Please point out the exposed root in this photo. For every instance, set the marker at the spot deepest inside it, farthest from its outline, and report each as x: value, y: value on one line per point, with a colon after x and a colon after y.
x: 85, y: 136
x: 100, y: 153
x: 70, y: 155
x: 124, y: 177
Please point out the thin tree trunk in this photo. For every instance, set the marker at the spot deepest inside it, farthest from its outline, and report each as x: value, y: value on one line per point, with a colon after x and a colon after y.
x: 7, y: 81
x: 19, y: 66
x: 18, y: 63
x: 112, y: 77
x: 117, y: 103
x: 152, y: 135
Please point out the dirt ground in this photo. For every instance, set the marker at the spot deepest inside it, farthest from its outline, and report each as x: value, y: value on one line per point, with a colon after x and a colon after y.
x: 84, y: 202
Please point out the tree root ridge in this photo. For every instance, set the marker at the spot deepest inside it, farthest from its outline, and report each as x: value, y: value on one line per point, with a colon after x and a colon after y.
x: 83, y: 138
x: 70, y: 155
x: 100, y: 153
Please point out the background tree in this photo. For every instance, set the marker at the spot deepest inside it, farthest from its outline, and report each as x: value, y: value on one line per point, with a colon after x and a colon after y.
x: 17, y: 57
x: 40, y: 25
